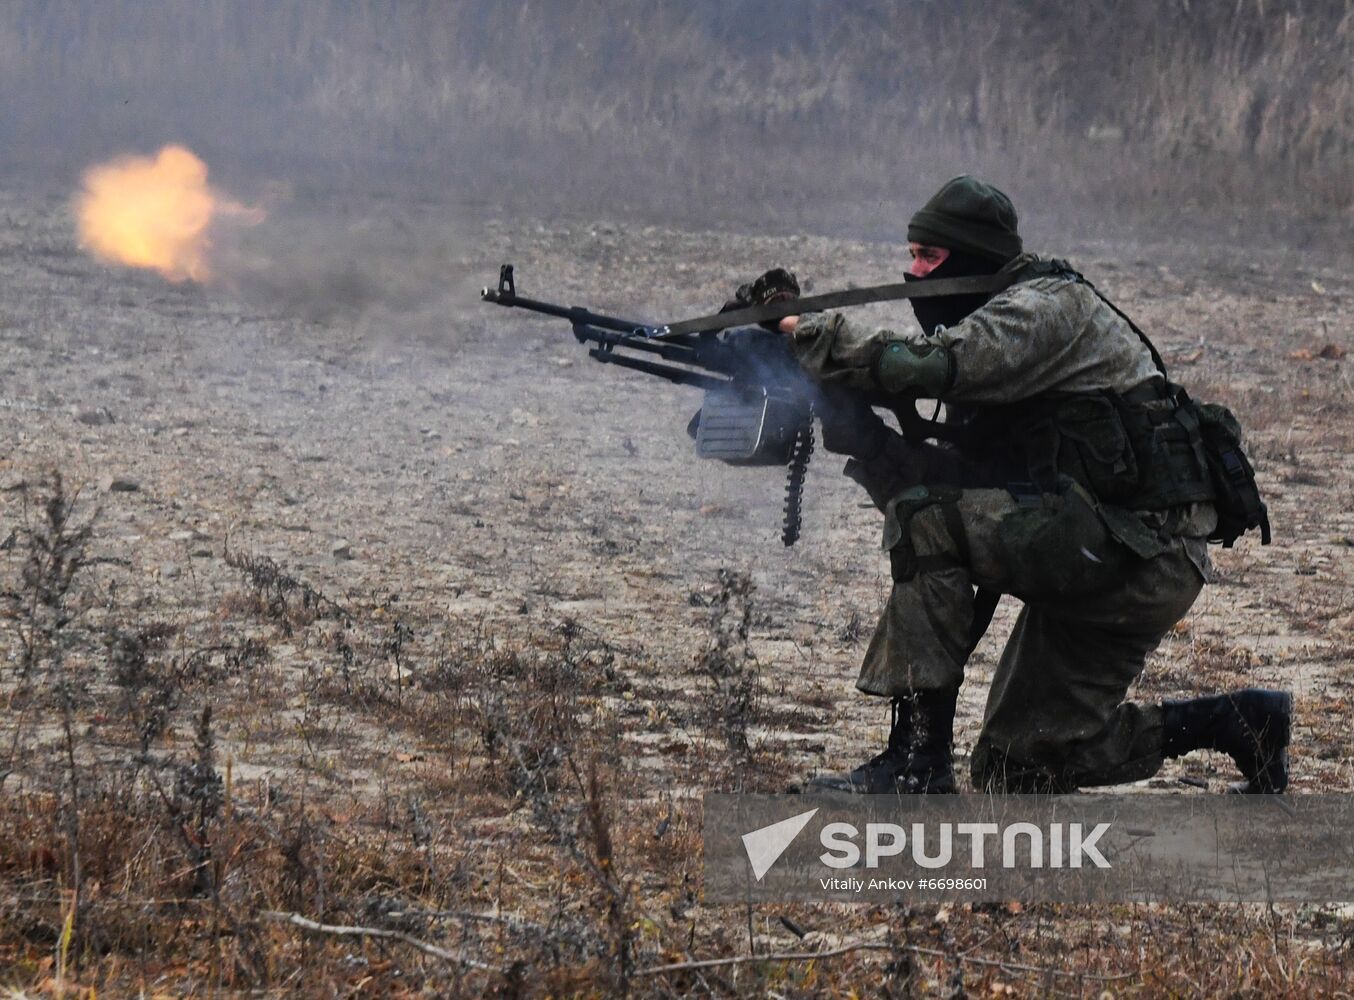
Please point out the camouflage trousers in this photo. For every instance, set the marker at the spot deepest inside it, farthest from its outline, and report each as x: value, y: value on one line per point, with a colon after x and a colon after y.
x: 1056, y: 715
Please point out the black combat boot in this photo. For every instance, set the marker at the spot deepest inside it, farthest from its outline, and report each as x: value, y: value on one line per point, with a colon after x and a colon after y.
x: 1252, y: 726
x: 918, y: 758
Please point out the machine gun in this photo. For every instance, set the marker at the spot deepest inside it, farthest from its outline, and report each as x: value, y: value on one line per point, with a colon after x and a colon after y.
x: 759, y: 404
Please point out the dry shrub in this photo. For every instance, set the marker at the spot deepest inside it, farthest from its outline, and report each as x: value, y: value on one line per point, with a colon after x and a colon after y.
x: 286, y: 599
x: 529, y: 841
x: 1216, y: 665
x: 1238, y: 107
x: 734, y: 695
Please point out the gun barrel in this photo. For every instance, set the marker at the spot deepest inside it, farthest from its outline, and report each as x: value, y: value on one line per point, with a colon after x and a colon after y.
x: 574, y: 314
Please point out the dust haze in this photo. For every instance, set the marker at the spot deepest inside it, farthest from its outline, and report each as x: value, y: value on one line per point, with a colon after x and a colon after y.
x: 1217, y: 121
x: 775, y: 114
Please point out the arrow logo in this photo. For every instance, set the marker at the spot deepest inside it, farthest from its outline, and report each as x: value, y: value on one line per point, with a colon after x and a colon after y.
x: 766, y: 845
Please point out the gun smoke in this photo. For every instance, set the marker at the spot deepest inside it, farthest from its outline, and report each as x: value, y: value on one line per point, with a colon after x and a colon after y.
x: 159, y: 213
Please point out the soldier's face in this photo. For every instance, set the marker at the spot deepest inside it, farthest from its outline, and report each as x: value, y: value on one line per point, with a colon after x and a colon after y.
x: 925, y: 259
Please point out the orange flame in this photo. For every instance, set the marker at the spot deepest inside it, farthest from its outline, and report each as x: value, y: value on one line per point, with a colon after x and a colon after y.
x: 153, y: 212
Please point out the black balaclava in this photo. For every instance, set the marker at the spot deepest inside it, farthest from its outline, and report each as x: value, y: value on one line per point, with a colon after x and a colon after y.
x: 977, y: 223
x: 947, y: 310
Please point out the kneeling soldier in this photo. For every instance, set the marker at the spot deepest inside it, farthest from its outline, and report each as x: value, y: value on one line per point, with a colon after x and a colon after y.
x: 1070, y: 474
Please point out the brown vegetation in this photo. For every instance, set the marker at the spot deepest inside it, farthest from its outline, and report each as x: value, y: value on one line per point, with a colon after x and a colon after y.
x: 508, y: 859
x: 464, y: 751
x: 708, y: 111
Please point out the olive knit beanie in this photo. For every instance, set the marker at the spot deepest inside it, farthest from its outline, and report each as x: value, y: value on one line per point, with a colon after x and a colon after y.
x: 967, y: 214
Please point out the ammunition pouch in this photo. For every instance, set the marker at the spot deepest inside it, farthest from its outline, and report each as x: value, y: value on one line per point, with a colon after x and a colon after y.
x: 1054, y: 545
x: 1059, y: 546
x: 1148, y: 450
x: 1166, y: 434
x: 1141, y: 450
x: 1236, y: 495
x: 1084, y: 438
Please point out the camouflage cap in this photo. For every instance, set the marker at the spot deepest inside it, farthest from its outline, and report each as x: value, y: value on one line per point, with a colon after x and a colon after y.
x: 967, y: 214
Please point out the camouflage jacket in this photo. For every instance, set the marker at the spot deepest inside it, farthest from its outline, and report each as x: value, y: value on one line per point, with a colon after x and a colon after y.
x: 1048, y: 334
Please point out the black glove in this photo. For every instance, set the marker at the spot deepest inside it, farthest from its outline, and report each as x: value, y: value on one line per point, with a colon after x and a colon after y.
x: 776, y: 285
x: 851, y: 426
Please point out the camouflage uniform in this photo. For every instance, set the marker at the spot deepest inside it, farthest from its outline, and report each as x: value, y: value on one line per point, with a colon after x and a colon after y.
x: 1101, y: 585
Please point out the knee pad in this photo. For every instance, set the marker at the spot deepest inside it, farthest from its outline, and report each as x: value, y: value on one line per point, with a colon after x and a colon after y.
x: 898, y: 515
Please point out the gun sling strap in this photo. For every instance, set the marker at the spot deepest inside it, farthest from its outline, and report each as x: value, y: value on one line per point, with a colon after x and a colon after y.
x: 506, y: 295
x: 975, y: 285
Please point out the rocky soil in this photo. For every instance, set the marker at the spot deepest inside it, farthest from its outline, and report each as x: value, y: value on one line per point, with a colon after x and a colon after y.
x: 443, y: 474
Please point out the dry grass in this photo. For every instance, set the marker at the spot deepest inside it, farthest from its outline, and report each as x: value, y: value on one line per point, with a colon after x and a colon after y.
x: 1162, y: 109
x: 499, y: 852
x: 503, y: 760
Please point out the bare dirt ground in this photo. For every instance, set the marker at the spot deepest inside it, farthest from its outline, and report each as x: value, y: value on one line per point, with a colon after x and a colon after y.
x: 453, y: 596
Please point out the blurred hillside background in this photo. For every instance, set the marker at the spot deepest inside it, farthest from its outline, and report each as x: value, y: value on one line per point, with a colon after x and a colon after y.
x: 816, y: 114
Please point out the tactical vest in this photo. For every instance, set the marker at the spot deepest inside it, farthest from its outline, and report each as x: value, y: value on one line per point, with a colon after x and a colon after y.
x: 1151, y: 448
x: 1141, y: 450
